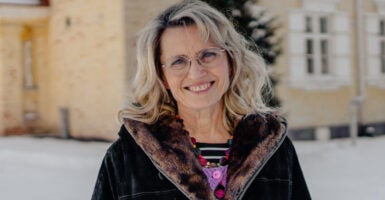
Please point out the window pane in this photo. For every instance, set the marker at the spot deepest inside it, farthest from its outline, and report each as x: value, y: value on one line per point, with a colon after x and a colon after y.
x: 309, y: 27
x: 383, y: 65
x: 309, y: 46
x: 310, y: 65
x: 382, y: 27
x: 324, y: 65
x: 382, y: 47
x: 28, y: 71
x: 323, y: 25
x: 324, y: 47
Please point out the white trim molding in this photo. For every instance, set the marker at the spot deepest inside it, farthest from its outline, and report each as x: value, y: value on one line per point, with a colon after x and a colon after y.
x: 307, y: 69
x: 320, y: 5
x: 22, y: 2
x: 28, y: 13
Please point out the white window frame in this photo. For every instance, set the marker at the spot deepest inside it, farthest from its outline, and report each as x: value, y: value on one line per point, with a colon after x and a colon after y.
x: 338, y: 39
x: 317, y: 37
x: 375, y: 45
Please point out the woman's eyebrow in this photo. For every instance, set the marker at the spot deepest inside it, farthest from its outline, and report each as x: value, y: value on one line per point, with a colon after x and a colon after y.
x: 195, y: 54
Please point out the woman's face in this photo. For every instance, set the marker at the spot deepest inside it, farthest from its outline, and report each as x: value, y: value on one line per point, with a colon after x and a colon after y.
x: 200, y: 86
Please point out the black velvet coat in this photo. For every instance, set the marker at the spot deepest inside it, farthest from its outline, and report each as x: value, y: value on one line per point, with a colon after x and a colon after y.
x: 157, y: 162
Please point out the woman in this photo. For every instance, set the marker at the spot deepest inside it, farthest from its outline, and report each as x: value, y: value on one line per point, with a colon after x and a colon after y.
x: 196, y: 127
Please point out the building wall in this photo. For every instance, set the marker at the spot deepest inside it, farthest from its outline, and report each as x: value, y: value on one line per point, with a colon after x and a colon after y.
x: 87, y: 66
x: 137, y: 14
x: 34, y: 78
x: 319, y: 108
x: 11, y: 78
x: 84, y: 59
x: 92, y: 61
x: 17, y: 24
x: 305, y: 108
x: 41, y: 100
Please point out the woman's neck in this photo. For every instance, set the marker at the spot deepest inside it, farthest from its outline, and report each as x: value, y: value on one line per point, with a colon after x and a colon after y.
x: 205, y: 125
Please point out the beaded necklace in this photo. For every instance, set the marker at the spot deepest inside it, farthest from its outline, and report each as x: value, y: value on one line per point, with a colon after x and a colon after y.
x: 222, y: 162
x: 215, y: 172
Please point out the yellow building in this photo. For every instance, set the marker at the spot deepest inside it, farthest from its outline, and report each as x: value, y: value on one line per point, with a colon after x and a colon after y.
x: 65, y: 65
x: 333, y: 65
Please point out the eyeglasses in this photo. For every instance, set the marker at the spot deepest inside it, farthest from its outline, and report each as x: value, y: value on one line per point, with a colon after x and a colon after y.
x: 180, y: 65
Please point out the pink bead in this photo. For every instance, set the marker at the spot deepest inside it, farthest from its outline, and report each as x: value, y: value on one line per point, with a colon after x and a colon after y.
x: 217, y: 174
x: 219, y: 193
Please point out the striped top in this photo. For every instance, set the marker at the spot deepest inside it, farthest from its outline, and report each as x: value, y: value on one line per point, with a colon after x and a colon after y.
x: 213, y: 152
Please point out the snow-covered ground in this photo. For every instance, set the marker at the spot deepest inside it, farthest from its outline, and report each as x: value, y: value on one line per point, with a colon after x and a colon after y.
x: 55, y: 169
x: 48, y: 168
x: 339, y: 170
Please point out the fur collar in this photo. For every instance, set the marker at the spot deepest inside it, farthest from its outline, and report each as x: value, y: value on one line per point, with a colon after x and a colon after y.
x: 168, y: 145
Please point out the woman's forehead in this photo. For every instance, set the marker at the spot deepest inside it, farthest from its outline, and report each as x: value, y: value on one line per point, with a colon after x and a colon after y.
x: 183, y: 39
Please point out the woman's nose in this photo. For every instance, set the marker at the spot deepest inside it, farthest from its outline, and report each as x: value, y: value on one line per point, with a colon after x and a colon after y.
x: 196, y: 70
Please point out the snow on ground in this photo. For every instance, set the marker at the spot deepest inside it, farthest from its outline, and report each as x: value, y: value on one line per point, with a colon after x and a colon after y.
x: 48, y: 168
x: 339, y: 170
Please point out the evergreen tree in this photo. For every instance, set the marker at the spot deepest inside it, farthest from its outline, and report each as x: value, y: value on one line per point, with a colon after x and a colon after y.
x: 256, y: 26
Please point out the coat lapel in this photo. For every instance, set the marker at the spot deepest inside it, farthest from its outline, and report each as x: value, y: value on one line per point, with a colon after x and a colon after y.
x: 256, y: 138
x: 170, y: 149
x: 168, y: 145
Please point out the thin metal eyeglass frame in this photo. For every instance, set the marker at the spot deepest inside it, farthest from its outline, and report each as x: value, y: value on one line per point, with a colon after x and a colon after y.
x: 197, y: 58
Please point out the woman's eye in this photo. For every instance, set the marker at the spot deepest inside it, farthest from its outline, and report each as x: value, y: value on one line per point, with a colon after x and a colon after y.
x: 208, y: 56
x: 178, y: 62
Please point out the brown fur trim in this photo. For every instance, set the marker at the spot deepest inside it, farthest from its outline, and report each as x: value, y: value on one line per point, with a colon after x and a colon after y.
x: 166, y: 143
x: 255, y: 139
x: 170, y: 149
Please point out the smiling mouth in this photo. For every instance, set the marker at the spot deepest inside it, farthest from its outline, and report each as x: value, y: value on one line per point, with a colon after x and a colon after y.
x: 200, y: 88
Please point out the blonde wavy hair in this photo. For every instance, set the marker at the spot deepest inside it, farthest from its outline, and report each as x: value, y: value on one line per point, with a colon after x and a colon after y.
x: 149, y: 97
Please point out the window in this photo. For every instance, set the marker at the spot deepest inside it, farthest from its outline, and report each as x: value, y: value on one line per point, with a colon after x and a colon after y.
x: 374, y: 25
x: 323, y: 24
x: 317, y: 45
x: 309, y: 25
x: 309, y: 56
x: 375, y: 49
x: 324, y: 57
x: 28, y: 71
x: 382, y: 57
x: 382, y: 45
x: 382, y: 27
